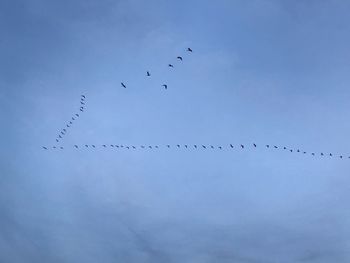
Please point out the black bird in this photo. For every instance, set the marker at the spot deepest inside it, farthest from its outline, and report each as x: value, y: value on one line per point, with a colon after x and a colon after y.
x: 104, y: 145
x: 121, y: 146
x: 54, y: 147
x: 148, y: 74
x: 211, y: 146
x: 204, y: 147
x: 73, y: 119
x: 313, y: 153
x: 171, y: 65
x: 60, y: 136
x: 165, y: 86
x: 267, y: 146
x: 82, y: 103
x: 220, y: 147
x: 242, y: 146
x: 185, y: 145
x: 330, y: 154
x: 150, y: 147
x: 231, y: 145
x: 117, y: 146
x: 291, y: 151
x: 44, y: 147
x: 77, y: 114
x: 81, y: 110
x: 341, y: 156
x: 285, y: 148
x: 178, y: 145
x: 86, y: 145
x: 156, y: 146
x: 321, y: 154
x: 123, y: 85
x: 68, y: 126
x: 298, y: 151
x: 179, y: 58
x: 189, y: 49
x: 304, y: 152
x: 275, y: 147
x: 70, y: 122
x: 64, y: 130
x: 254, y: 145
x: 56, y: 140
x: 83, y: 96
x: 168, y: 146
x: 133, y: 147
x: 195, y: 146
x: 127, y: 147
x: 112, y: 145
x: 62, y: 133
x: 93, y: 146
x: 76, y: 146
x: 61, y: 147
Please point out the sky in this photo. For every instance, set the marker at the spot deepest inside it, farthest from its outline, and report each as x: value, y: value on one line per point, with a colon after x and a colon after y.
x: 261, y: 71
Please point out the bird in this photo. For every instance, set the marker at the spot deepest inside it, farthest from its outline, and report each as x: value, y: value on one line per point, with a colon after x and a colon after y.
x: 93, y: 146
x: 341, y: 156
x: 267, y: 146
x: 321, y: 154
x: 304, y: 152
x: 54, y: 147
x: 189, y: 50
x: 298, y: 151
x: 165, y: 86
x: 83, y: 96
x: 178, y: 145
x: 195, y: 146
x: 148, y: 74
x: 76, y: 146
x: 220, y: 147
x: 56, y: 140
x: 81, y: 110
x: 254, y: 145
x: 127, y: 147
x: 104, y: 145
x: 112, y: 145
x: 211, y: 146
x: 171, y: 65
x: 204, y: 146
x: 123, y: 85
x: 231, y: 145
x: 60, y: 136
x: 275, y: 147
x: 73, y: 119
x: 291, y: 150
x: 179, y: 58
x: 68, y: 126
x: 242, y: 146
x: 285, y: 148
x: 77, y: 114
x: 61, y: 147
x: 168, y: 146
x: 62, y: 133
x: 82, y: 103
x: 133, y: 147
x: 86, y: 145
x: 70, y: 122
x: 150, y: 147
x: 156, y: 146
x: 313, y: 153
x: 330, y: 154
x: 64, y: 130
x: 44, y: 147
x: 185, y: 145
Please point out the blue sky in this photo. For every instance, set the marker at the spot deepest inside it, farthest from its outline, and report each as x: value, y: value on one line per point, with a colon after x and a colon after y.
x: 266, y: 72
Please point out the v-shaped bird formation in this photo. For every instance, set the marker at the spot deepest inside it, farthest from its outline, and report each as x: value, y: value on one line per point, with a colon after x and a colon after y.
x: 204, y: 147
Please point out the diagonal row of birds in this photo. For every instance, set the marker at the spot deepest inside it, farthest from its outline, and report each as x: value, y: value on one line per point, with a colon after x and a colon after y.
x: 69, y: 124
x: 148, y: 73
x: 200, y: 146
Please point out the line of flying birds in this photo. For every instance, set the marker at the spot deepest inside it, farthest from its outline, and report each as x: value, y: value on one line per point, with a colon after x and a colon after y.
x: 63, y: 132
x: 197, y: 146
x: 148, y: 74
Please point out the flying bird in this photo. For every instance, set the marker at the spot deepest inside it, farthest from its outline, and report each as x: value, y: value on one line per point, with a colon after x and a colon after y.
x: 242, y: 146
x: 211, y: 146
x: 179, y: 58
x: 133, y: 147
x: 76, y: 146
x: 148, y: 74
x: 267, y: 146
x: 77, y: 114
x: 150, y: 147
x: 93, y: 146
x: 44, y: 147
x: 61, y: 147
x: 204, y: 147
x: 231, y: 145
x: 104, y: 145
x: 254, y: 145
x: 178, y: 145
x: 189, y: 50
x: 171, y: 65
x: 195, y: 146
x: 86, y: 145
x: 156, y: 146
x: 123, y: 85
x: 275, y: 147
x: 165, y: 86
x: 83, y: 96
x: 56, y: 140
x: 185, y: 145
x: 60, y: 136
x: 168, y: 146
x: 220, y: 147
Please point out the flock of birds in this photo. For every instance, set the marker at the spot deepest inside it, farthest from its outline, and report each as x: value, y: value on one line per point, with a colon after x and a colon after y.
x: 63, y: 132
x: 69, y: 124
x: 198, y: 146
x: 148, y: 74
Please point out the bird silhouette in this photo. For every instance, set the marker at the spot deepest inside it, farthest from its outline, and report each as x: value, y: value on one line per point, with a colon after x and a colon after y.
x: 321, y: 154
x: 68, y: 126
x: 275, y: 147
x: 185, y: 145
x: 168, y: 146
x: 165, y: 86
x: 180, y: 58
x: 83, y: 96
x: 220, y: 147
x: 61, y: 147
x: 76, y: 146
x: 93, y: 146
x: 171, y: 65
x: 133, y: 147
x: 178, y: 145
x: 312, y: 153
x: 104, y: 145
x: 112, y: 145
x: 56, y: 140
x: 267, y: 146
x: 148, y: 74
x: 77, y: 114
x: 330, y: 154
x: 304, y: 152
x: 204, y: 146
x: 54, y: 147
x: 73, y: 118
x: 86, y: 145
x: 341, y: 156
x: 242, y: 146
x: 211, y: 146
x: 150, y: 147
x: 44, y: 147
x: 231, y: 145
x: 195, y: 146
x: 127, y: 147
x: 189, y: 50
x: 64, y: 130
x: 123, y: 85
x: 291, y: 151
x: 60, y: 136
x: 156, y: 146
x: 82, y: 103
x: 254, y: 145
x: 70, y: 122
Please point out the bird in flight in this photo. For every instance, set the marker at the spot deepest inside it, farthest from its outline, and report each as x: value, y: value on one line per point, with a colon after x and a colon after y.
x: 44, y: 147
x: 231, y: 145
x: 189, y: 50
x: 123, y: 85
x: 83, y: 96
x: 254, y: 145
x: 179, y: 58
x: 76, y: 146
x: 77, y: 114
x: 242, y: 146
x: 204, y: 146
x: 148, y: 74
x: 165, y: 86
x: 171, y: 66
